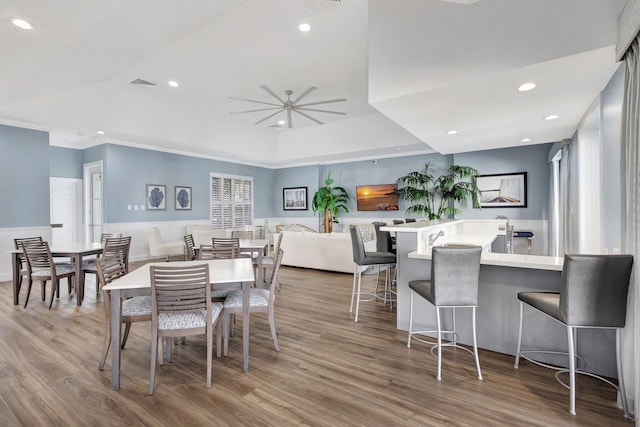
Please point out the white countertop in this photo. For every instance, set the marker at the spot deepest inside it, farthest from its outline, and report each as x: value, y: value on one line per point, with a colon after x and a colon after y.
x: 535, y: 262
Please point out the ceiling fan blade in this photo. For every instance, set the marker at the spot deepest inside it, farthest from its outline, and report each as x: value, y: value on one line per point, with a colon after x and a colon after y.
x: 253, y: 100
x: 289, y: 123
x: 268, y: 117
x: 303, y: 94
x: 322, y: 111
x: 309, y: 117
x: 322, y: 102
x: 272, y: 93
x: 253, y: 111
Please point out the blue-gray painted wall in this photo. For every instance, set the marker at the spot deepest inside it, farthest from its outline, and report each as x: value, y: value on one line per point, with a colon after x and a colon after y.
x: 128, y: 170
x: 65, y: 162
x: 532, y: 159
x: 24, y: 177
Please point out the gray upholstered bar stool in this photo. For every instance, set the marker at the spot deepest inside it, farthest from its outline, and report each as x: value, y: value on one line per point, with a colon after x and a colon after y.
x: 455, y: 273
x: 593, y: 294
x: 365, y: 259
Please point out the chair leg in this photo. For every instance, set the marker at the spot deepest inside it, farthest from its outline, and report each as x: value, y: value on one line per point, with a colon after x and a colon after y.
x: 272, y: 325
x: 517, y: 362
x: 410, y: 317
x: 353, y: 288
x: 127, y: 328
x: 358, y: 295
x: 226, y: 320
x: 105, y: 345
x: 219, y: 338
x: 475, y: 343
x: 438, y: 375
x: 209, y: 353
x: 28, y: 293
x: 55, y: 285
x: 572, y: 372
x: 154, y: 356
x: 621, y: 388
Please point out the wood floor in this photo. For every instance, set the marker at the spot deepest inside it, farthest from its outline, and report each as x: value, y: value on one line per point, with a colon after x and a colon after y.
x: 330, y: 372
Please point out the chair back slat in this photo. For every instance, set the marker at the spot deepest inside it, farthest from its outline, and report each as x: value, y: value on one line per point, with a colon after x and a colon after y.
x: 225, y: 248
x: 180, y: 289
x: 190, y: 247
x: 117, y: 247
x: 105, y: 236
x: 242, y: 234
x: 38, y: 256
x: 26, y: 240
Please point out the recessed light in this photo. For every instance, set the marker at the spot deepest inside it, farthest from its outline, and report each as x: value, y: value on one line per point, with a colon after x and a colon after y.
x: 100, y: 132
x: 526, y: 86
x: 21, y: 23
x: 551, y: 117
x: 452, y: 132
x: 525, y: 140
x: 281, y: 122
x: 304, y: 27
x: 173, y: 84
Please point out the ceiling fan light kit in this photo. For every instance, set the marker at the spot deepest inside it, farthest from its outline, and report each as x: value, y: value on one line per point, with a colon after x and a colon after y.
x: 289, y: 107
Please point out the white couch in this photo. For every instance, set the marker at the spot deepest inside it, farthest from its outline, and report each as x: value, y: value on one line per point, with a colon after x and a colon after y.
x: 321, y: 251
x: 202, y: 234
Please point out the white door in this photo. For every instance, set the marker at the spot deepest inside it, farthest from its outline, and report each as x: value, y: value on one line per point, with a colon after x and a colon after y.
x: 93, y: 200
x: 65, y: 210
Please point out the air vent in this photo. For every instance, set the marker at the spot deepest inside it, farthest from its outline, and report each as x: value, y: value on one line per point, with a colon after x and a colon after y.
x: 141, y: 82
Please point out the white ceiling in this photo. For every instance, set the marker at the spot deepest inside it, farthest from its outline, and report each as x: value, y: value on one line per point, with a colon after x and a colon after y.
x: 426, y: 66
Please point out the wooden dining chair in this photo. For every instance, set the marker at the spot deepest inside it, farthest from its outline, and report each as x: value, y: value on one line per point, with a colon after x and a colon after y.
x: 113, y: 245
x: 40, y: 266
x: 190, y: 252
x: 242, y: 234
x: 260, y: 300
x: 135, y: 309
x: 225, y: 248
x: 181, y: 306
x: 268, y: 260
x: 18, y: 242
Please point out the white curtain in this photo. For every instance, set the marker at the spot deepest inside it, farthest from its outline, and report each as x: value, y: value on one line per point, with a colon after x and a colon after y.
x: 559, y: 198
x: 630, y: 159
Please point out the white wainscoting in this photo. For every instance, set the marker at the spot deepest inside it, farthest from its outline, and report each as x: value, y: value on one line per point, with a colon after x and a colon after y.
x: 6, y: 245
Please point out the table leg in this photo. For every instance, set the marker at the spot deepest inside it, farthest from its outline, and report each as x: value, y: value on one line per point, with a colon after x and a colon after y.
x: 260, y: 271
x: 15, y: 263
x: 79, y: 280
x: 115, y: 339
x: 245, y: 325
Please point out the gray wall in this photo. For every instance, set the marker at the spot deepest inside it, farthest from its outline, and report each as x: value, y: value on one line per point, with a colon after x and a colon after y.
x: 128, y: 170
x: 24, y: 177
x: 65, y: 162
x: 532, y: 159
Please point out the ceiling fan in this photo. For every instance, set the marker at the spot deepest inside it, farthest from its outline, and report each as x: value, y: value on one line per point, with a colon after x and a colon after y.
x: 290, y: 106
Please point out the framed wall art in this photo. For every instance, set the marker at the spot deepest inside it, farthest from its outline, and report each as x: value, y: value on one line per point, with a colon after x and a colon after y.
x: 183, y: 198
x: 503, y: 190
x: 156, y: 197
x: 294, y: 199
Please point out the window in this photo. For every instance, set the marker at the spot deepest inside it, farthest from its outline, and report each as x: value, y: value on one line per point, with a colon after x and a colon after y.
x: 231, y: 201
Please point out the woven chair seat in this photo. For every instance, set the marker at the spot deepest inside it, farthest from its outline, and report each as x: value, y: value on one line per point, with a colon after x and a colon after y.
x: 136, y: 306
x: 46, y: 272
x: 257, y: 298
x: 177, y: 321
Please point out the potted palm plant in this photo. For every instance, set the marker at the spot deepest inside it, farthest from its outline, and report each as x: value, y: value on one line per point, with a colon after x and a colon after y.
x: 330, y: 200
x: 434, y: 196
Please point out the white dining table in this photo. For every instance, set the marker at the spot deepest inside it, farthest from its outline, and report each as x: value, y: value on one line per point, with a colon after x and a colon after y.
x: 259, y: 247
x: 222, y: 274
x: 75, y: 251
